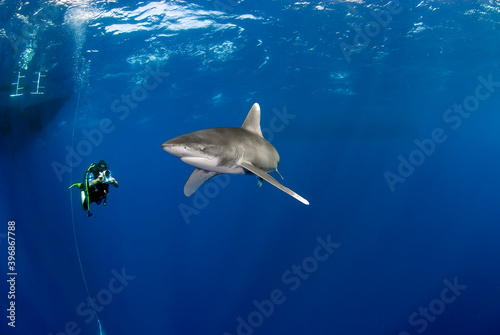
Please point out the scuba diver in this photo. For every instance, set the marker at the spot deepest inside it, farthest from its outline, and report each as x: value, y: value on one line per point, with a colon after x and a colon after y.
x: 96, y: 181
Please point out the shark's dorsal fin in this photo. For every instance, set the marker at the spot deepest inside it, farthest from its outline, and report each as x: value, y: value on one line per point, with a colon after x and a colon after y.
x: 252, y: 122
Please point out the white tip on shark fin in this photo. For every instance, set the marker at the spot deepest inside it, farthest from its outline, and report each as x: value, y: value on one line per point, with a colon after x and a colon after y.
x: 264, y: 175
x: 252, y: 121
x: 196, y: 179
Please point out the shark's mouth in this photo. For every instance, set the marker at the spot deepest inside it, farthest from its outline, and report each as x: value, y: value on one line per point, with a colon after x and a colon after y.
x: 205, y: 163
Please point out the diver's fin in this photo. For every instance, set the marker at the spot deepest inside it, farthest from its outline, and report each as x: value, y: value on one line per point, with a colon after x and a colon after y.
x: 196, y: 179
x: 79, y: 185
x: 264, y: 175
x: 84, y: 204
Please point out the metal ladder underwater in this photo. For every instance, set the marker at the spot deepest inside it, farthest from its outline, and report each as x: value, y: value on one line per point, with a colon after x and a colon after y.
x: 39, y: 88
x: 17, y: 94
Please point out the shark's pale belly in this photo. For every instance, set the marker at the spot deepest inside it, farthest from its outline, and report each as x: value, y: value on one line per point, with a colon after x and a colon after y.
x: 212, y: 165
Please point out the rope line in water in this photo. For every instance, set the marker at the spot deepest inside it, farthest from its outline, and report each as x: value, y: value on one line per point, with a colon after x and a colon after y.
x: 73, y: 221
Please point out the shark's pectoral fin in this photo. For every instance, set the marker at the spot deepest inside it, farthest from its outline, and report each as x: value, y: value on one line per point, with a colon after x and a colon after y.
x: 196, y: 179
x: 264, y: 175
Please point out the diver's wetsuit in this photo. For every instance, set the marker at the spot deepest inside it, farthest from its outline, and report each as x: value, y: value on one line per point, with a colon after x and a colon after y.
x: 99, y: 191
x: 100, y: 177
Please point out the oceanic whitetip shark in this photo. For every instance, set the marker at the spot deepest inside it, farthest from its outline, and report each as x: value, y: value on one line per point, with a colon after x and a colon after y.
x: 228, y: 150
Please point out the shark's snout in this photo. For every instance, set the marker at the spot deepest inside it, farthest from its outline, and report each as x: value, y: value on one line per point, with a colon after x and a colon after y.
x: 182, y: 149
x: 174, y: 149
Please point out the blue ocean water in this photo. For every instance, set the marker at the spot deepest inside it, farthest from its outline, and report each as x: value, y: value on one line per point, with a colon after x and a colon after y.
x: 385, y: 115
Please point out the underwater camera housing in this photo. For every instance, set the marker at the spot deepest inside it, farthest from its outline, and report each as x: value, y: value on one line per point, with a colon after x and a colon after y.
x: 106, y: 176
